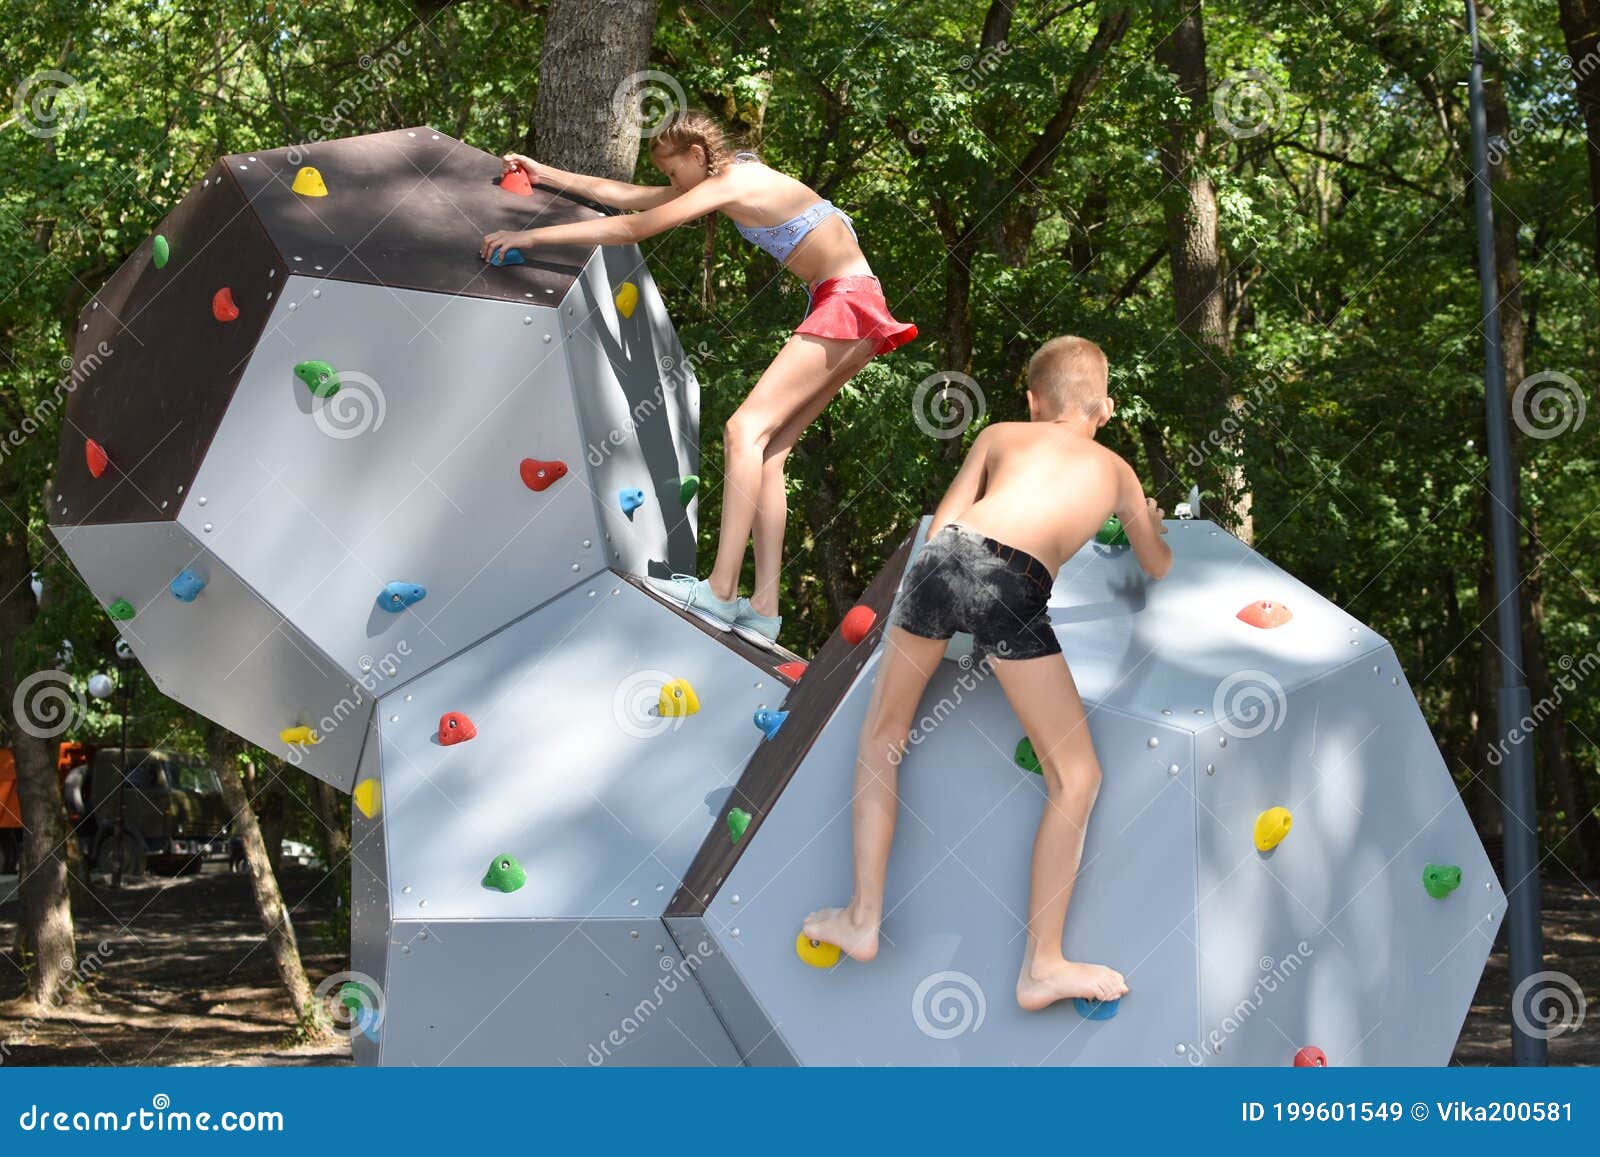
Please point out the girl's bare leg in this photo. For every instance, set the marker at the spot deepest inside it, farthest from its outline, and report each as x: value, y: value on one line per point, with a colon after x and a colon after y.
x: 795, y: 388
x: 1045, y: 698
x: 909, y: 661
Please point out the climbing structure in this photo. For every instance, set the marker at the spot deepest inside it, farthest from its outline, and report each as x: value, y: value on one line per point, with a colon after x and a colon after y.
x: 384, y: 509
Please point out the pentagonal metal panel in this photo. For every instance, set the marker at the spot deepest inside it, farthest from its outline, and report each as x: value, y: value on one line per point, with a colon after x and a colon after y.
x: 153, y: 368
x: 369, y: 898
x: 942, y: 988
x: 546, y: 992
x: 602, y: 802
x: 407, y: 209
x: 1331, y: 939
x: 227, y: 654
x: 639, y: 403
x: 409, y: 473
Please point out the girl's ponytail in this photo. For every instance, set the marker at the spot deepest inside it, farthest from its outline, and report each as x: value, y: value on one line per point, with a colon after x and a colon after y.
x: 679, y: 132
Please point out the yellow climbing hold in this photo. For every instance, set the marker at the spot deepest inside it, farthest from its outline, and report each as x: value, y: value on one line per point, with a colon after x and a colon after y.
x: 298, y: 735
x: 368, y: 796
x: 308, y: 183
x: 1271, y: 826
x: 627, y: 298
x: 815, y: 952
x: 677, y: 699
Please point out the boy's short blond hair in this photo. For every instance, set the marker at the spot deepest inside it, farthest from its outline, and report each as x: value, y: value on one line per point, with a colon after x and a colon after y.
x: 1069, y: 374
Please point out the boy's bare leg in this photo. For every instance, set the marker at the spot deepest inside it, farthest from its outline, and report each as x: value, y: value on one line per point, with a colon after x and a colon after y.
x: 1045, y: 699
x: 909, y: 661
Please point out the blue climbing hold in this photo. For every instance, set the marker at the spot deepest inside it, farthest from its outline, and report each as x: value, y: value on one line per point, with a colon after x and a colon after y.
x: 187, y: 585
x: 1095, y: 1009
x: 396, y: 597
x: 631, y: 499
x: 508, y: 257
x: 770, y: 721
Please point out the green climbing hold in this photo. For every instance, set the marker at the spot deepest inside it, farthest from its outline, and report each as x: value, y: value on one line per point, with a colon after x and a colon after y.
x: 160, y: 251
x: 121, y: 610
x: 738, y: 823
x: 1111, y: 533
x: 1441, y: 879
x: 1026, y: 758
x: 504, y: 875
x: 688, y: 485
x: 320, y: 378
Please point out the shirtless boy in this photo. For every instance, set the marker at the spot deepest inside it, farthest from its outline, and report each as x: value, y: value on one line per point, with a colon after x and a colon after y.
x: 1029, y: 495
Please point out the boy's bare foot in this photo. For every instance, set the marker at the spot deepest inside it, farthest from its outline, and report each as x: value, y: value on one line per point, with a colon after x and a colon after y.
x: 1041, y: 986
x: 857, y: 939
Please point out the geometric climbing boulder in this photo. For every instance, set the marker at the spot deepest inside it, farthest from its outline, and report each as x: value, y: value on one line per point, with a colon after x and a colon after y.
x: 318, y: 446
x: 1278, y: 857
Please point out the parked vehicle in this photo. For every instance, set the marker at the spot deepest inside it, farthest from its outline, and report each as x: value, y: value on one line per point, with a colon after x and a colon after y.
x: 167, y: 816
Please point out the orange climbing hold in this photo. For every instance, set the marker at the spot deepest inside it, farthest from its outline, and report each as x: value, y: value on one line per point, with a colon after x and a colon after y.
x: 454, y: 727
x: 222, y: 307
x: 537, y: 475
x: 517, y: 181
x: 95, y: 455
x: 857, y: 623
x: 1265, y: 614
x: 792, y: 670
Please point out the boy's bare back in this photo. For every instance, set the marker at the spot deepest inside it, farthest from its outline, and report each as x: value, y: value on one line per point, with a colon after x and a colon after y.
x: 1047, y: 488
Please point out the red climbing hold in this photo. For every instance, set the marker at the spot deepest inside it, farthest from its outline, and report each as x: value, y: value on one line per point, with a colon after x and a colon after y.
x: 1265, y: 614
x: 537, y: 475
x: 857, y: 623
x: 455, y: 727
x: 792, y: 670
x: 516, y: 181
x: 95, y: 455
x: 1311, y: 1057
x: 222, y: 307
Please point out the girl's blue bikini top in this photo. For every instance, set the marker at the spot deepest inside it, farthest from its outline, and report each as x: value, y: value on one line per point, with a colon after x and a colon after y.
x: 782, y: 240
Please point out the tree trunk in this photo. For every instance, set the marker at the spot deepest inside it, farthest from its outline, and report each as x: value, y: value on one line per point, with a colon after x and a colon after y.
x: 223, y: 749
x: 333, y: 825
x: 593, y: 103
x: 44, y: 927
x: 1580, y: 24
x: 1190, y: 208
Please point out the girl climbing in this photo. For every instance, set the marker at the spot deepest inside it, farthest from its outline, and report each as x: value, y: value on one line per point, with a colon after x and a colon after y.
x: 847, y: 322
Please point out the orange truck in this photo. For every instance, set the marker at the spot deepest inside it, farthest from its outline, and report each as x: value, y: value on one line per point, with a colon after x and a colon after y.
x: 68, y: 756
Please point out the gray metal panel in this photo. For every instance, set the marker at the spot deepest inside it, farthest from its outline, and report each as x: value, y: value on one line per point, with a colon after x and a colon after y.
x: 958, y: 885
x: 740, y: 1013
x: 546, y: 992
x: 639, y: 403
x: 1143, y: 646
x: 602, y: 803
x: 1388, y: 972
x: 227, y: 654
x: 431, y: 494
x: 369, y: 895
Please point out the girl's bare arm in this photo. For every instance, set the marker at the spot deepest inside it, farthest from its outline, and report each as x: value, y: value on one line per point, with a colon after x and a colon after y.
x: 618, y: 194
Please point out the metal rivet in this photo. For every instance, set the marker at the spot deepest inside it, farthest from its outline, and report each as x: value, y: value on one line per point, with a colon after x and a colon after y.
x: 207, y: 528
x: 423, y: 935
x: 587, y: 543
x: 527, y: 321
x: 201, y: 501
x: 1394, y: 681
x: 1222, y: 741
x: 405, y: 950
x: 406, y: 890
x: 574, y: 566
x: 1211, y: 769
x: 1166, y: 711
x: 733, y: 899
x: 1173, y: 769
x: 316, y: 293
x: 1152, y: 742
x: 293, y: 305
x: 634, y: 903
x: 394, y: 719
x: 1179, y: 1049
x: 408, y: 698
x: 634, y: 934
x: 591, y: 594
x: 422, y: 903
x: 546, y: 339
x: 735, y: 934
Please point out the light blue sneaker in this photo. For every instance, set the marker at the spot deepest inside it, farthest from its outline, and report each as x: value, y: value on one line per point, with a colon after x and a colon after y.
x: 694, y: 595
x: 762, y: 630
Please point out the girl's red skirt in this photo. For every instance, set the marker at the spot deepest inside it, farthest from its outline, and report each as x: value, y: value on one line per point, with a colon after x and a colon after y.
x: 853, y: 308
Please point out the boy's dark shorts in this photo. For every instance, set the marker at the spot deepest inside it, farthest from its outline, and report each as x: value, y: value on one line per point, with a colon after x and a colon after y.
x: 962, y: 581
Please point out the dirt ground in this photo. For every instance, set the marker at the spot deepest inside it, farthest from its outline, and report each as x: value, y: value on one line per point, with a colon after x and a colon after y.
x: 186, y: 981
